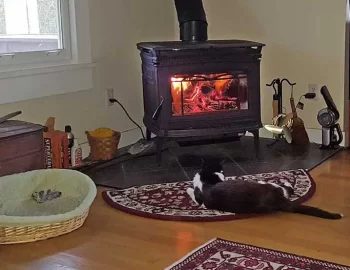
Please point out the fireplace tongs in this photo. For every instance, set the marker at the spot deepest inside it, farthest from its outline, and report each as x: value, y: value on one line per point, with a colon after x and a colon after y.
x: 9, y: 116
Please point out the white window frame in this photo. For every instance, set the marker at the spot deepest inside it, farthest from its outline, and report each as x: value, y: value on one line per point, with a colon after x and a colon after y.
x: 21, y: 58
x: 38, y: 74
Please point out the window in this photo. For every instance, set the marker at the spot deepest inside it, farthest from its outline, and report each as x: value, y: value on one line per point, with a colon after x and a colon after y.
x: 34, y: 31
x: 45, y: 48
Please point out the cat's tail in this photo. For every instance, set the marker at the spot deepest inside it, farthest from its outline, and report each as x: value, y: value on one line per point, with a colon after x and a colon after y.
x: 315, y: 212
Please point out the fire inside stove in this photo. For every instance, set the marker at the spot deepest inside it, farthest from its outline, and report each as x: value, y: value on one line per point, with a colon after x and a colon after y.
x: 206, y: 93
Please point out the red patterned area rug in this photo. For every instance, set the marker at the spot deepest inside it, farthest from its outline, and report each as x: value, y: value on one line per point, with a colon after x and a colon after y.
x: 170, y: 201
x: 219, y: 254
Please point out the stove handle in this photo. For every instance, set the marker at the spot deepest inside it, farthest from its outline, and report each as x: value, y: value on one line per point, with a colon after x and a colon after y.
x: 158, y: 110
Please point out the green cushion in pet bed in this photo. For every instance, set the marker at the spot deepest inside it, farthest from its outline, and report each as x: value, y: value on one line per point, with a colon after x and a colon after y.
x: 45, y: 199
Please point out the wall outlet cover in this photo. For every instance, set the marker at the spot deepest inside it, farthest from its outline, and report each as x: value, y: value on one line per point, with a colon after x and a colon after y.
x: 109, y: 95
x: 313, y: 88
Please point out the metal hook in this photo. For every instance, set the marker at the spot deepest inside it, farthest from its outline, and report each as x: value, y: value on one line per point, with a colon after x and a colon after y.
x: 273, y: 84
x: 292, y: 84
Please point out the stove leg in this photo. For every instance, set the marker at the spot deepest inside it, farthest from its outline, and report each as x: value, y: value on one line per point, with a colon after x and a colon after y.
x: 256, y: 142
x: 148, y: 134
x: 159, y: 144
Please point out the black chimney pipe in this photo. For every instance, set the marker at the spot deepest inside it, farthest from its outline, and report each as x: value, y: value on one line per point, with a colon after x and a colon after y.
x: 192, y: 20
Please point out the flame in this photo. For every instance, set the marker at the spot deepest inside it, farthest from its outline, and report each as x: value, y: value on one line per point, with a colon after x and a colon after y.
x: 220, y: 85
x: 176, y: 84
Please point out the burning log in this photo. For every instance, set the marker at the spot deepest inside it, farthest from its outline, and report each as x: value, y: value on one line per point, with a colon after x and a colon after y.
x: 208, y: 105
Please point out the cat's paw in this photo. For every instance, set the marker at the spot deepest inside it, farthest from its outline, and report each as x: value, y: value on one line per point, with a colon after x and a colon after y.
x: 190, y: 191
x: 287, y: 184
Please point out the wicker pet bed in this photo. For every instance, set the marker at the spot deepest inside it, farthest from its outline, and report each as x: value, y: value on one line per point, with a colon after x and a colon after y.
x: 24, y: 219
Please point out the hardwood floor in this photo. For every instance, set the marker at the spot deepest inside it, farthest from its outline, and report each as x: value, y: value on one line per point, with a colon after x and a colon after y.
x: 114, y: 240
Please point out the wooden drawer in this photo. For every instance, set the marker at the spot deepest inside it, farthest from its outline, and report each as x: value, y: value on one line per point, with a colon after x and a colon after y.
x: 34, y: 161
x: 17, y: 146
x: 21, y: 147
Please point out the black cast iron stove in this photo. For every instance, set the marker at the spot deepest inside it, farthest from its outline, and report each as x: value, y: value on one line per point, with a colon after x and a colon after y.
x: 196, y: 87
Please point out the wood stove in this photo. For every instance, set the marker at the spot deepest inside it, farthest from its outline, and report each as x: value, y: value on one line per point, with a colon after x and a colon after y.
x: 196, y: 87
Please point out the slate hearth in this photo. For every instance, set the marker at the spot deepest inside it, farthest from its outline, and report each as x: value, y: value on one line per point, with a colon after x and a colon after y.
x: 181, y: 163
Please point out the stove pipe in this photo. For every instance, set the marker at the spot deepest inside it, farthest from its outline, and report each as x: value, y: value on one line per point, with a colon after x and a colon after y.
x: 192, y: 20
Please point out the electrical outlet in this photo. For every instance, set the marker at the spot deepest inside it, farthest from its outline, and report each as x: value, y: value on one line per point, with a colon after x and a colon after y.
x: 109, y: 95
x: 313, y: 88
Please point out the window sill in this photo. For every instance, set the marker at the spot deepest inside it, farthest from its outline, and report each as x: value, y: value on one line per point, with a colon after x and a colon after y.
x: 42, y: 70
x: 19, y: 85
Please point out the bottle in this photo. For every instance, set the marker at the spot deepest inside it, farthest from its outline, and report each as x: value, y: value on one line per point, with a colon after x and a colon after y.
x: 76, y: 154
x: 70, y: 137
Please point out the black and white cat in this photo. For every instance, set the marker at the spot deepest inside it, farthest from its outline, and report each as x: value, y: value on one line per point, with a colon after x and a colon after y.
x: 246, y: 197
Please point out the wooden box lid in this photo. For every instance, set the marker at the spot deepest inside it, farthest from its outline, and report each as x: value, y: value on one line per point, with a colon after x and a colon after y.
x: 12, y: 128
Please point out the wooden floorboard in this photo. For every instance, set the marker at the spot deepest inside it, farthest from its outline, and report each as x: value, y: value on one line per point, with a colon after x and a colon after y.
x: 114, y: 240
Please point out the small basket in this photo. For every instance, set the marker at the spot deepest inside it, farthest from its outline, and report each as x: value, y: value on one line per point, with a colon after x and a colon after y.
x: 103, y: 148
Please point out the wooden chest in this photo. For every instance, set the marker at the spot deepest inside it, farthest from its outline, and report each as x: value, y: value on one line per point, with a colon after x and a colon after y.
x: 21, y: 147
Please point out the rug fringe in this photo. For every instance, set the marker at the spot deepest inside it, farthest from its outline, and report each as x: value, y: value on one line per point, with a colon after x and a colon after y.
x: 190, y: 254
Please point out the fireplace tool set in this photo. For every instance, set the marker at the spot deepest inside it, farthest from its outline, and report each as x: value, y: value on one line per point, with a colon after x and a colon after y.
x: 286, y: 126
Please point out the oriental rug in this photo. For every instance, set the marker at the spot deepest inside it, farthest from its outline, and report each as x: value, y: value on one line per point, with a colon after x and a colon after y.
x: 219, y: 254
x: 170, y: 201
